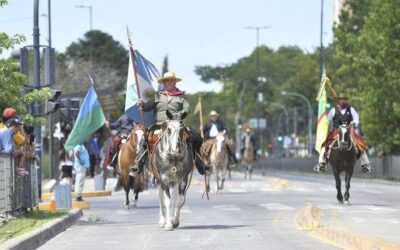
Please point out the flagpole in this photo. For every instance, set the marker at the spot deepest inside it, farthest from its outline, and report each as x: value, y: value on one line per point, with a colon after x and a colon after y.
x: 132, y: 53
x: 201, y: 117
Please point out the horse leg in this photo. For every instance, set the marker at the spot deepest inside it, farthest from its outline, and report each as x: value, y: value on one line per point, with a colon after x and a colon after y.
x: 208, y: 182
x: 245, y: 171
x: 179, y: 204
x: 170, y: 200
x: 136, y: 192
x: 250, y: 171
x: 347, y: 194
x: 338, y: 187
x: 161, y: 200
x: 127, y: 189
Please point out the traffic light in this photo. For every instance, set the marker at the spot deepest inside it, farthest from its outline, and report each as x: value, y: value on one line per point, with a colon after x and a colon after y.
x: 65, y: 107
x: 49, y: 69
x: 52, y: 104
x: 22, y: 56
x: 75, y: 106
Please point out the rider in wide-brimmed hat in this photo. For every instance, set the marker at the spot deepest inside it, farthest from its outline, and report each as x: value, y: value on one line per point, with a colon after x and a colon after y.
x: 250, y: 136
x: 211, y: 130
x: 343, y: 113
x: 173, y: 100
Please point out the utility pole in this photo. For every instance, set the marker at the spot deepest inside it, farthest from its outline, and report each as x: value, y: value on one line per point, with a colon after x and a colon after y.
x: 259, y: 80
x: 36, y: 84
x: 321, y: 49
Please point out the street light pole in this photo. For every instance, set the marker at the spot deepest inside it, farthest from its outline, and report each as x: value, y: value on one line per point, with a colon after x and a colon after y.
x: 310, y: 117
x: 278, y: 105
x: 321, y: 49
x: 259, y: 79
x: 90, y: 13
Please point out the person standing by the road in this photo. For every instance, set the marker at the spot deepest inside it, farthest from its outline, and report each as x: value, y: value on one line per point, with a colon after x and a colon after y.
x: 81, y: 164
x: 94, y: 153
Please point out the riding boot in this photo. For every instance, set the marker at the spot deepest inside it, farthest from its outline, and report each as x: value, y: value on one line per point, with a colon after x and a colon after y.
x: 201, y: 167
x: 232, y: 156
x: 140, y: 161
x: 321, y: 167
x: 365, y: 163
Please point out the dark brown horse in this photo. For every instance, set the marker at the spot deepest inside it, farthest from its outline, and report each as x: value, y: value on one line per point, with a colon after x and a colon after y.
x: 126, y: 158
x: 343, y: 157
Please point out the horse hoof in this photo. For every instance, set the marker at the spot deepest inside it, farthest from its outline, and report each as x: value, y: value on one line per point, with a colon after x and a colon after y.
x: 347, y: 203
x: 168, y: 227
x: 134, y: 205
x: 127, y: 207
x: 175, y: 225
x: 161, y: 223
x: 341, y: 202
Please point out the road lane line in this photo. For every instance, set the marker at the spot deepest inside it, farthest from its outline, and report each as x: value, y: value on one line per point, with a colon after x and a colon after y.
x: 227, y: 207
x: 276, y: 207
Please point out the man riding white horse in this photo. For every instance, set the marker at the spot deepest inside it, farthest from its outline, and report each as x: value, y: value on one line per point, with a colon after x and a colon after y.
x: 343, y: 113
x: 214, y: 126
x: 173, y: 100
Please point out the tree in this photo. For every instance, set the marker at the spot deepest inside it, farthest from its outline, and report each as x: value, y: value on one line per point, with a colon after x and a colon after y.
x: 12, y: 82
x: 287, y: 68
x: 371, y: 57
x: 98, y: 54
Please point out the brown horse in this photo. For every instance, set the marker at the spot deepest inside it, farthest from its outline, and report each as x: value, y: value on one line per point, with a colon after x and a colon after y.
x: 126, y: 159
x: 248, y: 158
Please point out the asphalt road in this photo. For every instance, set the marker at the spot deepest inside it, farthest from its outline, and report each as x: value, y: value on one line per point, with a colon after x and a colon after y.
x: 256, y: 214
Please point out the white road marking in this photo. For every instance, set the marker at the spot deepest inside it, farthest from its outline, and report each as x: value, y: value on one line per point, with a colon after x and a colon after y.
x: 126, y: 212
x: 186, y: 210
x: 328, y: 189
x: 358, y: 219
x: 328, y: 206
x: 237, y: 190
x: 302, y: 190
x: 393, y: 221
x: 276, y: 206
x: 227, y: 207
x: 379, y: 208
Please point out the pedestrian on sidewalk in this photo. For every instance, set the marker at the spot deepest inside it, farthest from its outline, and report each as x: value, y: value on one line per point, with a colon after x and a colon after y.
x: 81, y: 165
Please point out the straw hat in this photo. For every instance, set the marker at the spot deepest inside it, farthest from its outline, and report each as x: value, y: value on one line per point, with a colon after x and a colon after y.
x: 169, y: 75
x: 342, y: 96
x: 214, y: 113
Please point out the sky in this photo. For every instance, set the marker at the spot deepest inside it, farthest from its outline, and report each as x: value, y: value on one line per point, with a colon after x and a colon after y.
x: 192, y: 33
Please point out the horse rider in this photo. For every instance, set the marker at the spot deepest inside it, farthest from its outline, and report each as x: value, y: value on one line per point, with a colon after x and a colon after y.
x: 123, y: 125
x: 174, y: 100
x: 211, y: 130
x: 248, y: 136
x: 343, y: 113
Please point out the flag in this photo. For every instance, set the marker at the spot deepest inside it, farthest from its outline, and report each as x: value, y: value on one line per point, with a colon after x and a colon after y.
x: 197, y: 108
x: 323, y: 105
x: 90, y: 118
x: 145, y: 73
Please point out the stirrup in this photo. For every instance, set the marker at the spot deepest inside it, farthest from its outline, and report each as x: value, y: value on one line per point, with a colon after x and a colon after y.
x: 366, y: 168
x: 321, y: 167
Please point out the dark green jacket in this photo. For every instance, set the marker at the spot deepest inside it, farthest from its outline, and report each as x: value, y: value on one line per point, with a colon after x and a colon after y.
x: 163, y: 102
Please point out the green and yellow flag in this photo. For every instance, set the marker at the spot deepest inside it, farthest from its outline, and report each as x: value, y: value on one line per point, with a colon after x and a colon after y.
x: 323, y: 110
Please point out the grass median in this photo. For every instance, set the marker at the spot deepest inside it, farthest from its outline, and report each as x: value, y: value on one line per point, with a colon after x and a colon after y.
x: 28, y: 222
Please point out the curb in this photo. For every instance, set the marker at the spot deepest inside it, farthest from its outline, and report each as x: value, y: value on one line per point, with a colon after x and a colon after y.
x: 89, y: 194
x: 308, y: 218
x: 38, y: 237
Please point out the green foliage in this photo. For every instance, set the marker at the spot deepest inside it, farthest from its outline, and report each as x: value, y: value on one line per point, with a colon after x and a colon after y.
x: 369, y: 60
x: 286, y: 69
x: 13, y: 82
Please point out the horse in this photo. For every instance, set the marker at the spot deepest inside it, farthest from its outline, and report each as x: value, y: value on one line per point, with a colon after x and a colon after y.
x: 172, y: 162
x: 219, y: 160
x: 343, y: 157
x: 126, y: 158
x: 248, y: 158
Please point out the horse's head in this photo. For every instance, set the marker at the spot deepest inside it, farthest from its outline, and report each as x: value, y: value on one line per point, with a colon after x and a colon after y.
x: 220, y: 140
x: 137, y: 135
x: 174, y: 133
x: 344, y: 136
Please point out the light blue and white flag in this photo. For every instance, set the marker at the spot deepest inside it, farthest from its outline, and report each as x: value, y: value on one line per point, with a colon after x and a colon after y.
x: 146, y: 72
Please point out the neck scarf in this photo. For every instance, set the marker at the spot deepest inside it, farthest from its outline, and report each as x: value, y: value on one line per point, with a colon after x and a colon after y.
x: 172, y: 92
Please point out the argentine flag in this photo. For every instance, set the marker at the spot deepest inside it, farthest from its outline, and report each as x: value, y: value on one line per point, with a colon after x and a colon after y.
x: 146, y: 71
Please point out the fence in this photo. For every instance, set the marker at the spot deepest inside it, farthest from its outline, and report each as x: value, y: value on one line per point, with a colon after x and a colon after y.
x: 17, y: 193
x: 386, y: 166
